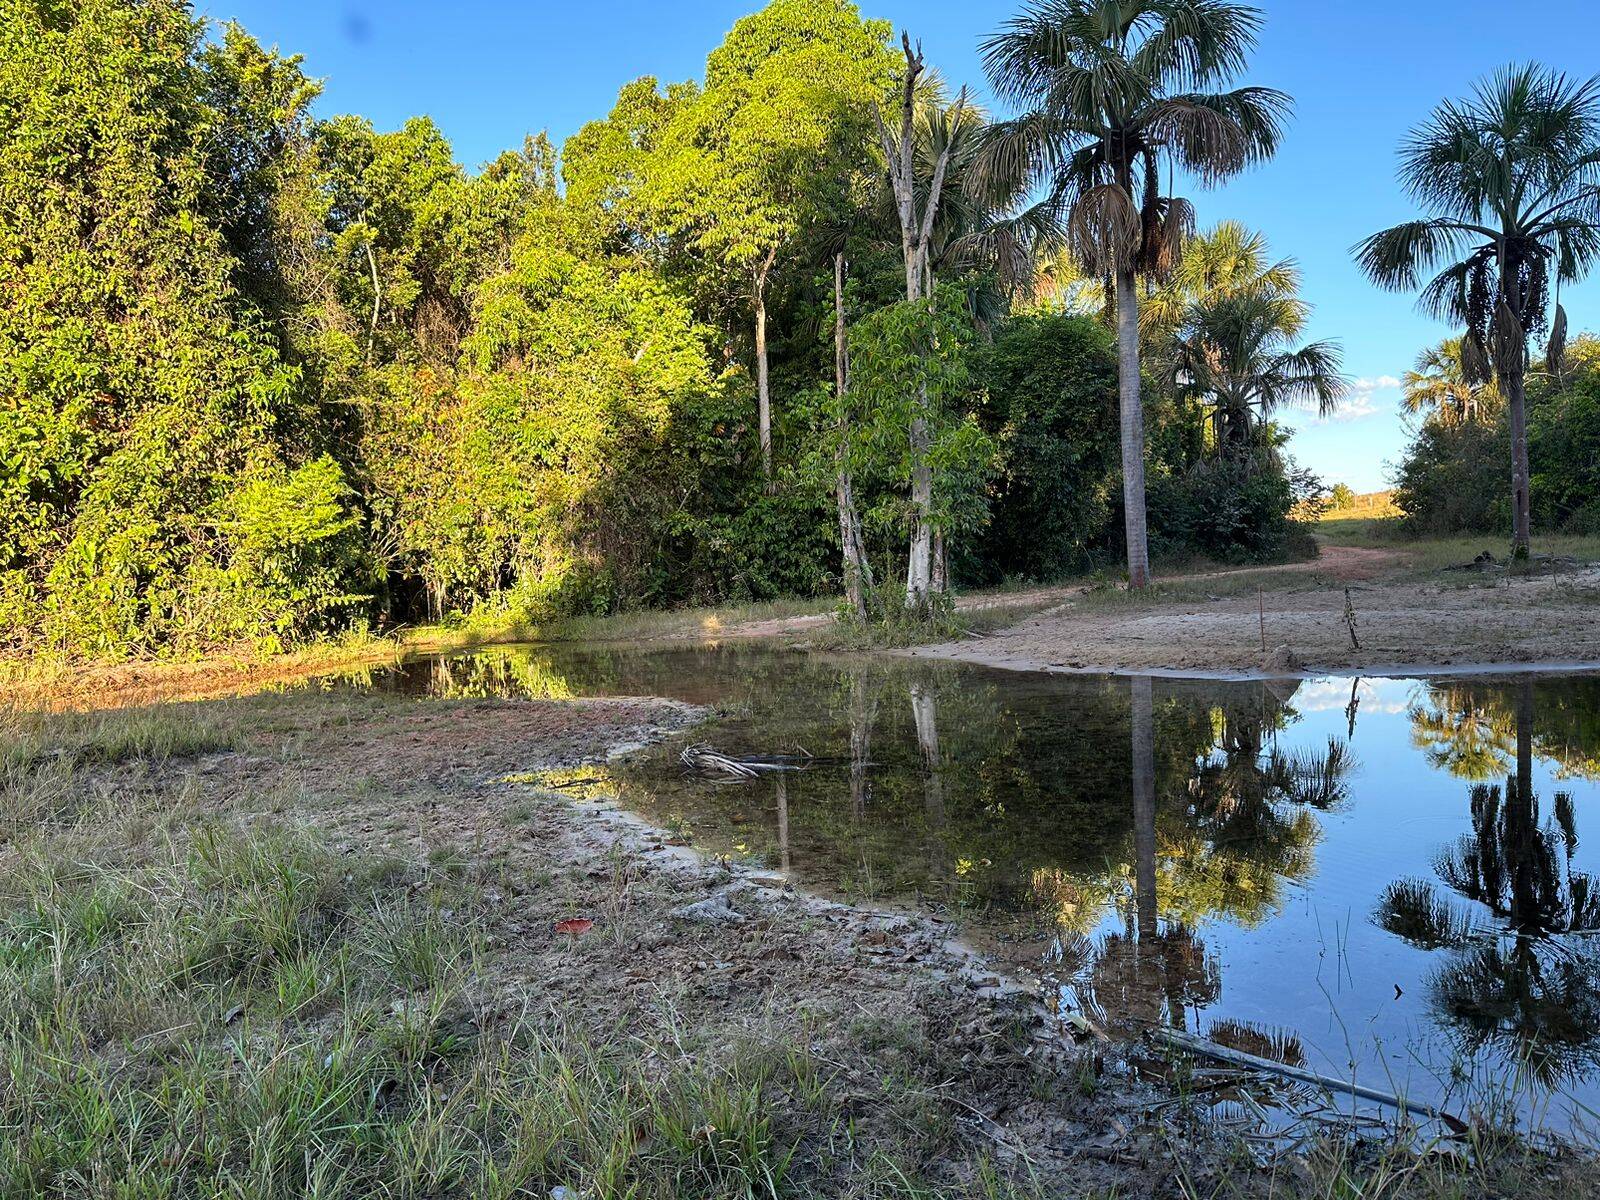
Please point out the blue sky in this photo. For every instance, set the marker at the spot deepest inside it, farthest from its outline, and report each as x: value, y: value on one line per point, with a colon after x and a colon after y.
x: 1362, y: 72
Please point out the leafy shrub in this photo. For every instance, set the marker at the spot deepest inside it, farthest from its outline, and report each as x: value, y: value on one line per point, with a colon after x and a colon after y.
x: 1564, y: 456
x: 1456, y: 479
x: 1234, y: 509
x: 1052, y: 409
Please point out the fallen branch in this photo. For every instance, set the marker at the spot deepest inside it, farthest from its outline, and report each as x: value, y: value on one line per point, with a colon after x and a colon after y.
x: 1198, y: 1045
x: 703, y: 758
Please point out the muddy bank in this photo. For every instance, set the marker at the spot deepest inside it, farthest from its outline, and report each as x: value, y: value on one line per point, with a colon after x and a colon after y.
x: 1400, y: 628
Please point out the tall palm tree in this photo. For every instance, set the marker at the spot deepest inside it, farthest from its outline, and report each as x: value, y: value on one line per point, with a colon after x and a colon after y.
x: 1236, y: 353
x: 1112, y: 91
x: 1438, y: 387
x: 1511, y: 179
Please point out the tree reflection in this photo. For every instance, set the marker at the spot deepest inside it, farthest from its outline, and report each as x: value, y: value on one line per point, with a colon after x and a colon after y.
x: 1152, y: 971
x: 1470, y: 729
x: 1464, y: 730
x: 1251, y: 822
x: 1513, y: 981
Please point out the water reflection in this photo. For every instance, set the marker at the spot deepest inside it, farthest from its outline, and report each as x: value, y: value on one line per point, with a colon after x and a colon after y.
x: 1509, y: 980
x: 1211, y: 856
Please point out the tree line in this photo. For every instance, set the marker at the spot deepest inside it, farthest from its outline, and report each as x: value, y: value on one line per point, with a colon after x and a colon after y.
x: 813, y: 323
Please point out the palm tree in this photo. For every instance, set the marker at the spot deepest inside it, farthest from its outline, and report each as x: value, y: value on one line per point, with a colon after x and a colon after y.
x: 1229, y: 260
x: 1511, y: 179
x: 1112, y: 92
x: 1236, y: 352
x: 1439, y: 388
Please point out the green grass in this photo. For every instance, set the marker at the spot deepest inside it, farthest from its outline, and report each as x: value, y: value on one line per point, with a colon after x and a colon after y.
x: 204, y: 1003
x: 1431, y: 554
x: 240, y: 1013
x: 113, y: 736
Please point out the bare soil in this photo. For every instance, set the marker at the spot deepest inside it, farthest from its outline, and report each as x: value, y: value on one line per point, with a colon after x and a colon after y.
x: 1296, y: 623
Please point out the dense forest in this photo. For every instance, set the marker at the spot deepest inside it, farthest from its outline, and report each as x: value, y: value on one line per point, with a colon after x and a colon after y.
x: 796, y: 327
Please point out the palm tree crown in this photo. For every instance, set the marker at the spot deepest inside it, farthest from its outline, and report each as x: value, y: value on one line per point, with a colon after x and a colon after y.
x: 1230, y: 260
x: 1512, y: 176
x: 1235, y: 351
x: 1437, y: 387
x: 1111, y: 93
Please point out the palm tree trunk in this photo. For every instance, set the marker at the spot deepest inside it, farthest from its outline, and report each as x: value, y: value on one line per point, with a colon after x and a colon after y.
x: 1521, y: 821
x: 857, y: 571
x: 1132, y: 428
x: 1516, y: 399
x: 763, y: 392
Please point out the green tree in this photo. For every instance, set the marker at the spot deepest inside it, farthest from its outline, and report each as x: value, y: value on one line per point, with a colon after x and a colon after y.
x: 740, y: 170
x: 1111, y: 92
x: 138, y: 387
x: 1511, y: 176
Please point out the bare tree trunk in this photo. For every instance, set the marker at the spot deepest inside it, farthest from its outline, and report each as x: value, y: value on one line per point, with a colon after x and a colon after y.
x: 916, y: 232
x: 763, y: 392
x: 919, y: 563
x: 1132, y: 428
x: 1142, y: 721
x: 939, y: 580
x: 782, y: 785
x: 1521, y: 523
x: 857, y: 570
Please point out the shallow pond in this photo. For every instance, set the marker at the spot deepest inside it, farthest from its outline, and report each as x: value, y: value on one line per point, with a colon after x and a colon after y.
x: 1388, y: 880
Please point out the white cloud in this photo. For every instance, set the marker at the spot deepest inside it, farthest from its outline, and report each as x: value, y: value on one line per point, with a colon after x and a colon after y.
x: 1363, y: 400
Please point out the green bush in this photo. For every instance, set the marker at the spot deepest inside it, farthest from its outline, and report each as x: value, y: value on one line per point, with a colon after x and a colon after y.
x: 1564, y: 456
x: 1456, y: 479
x: 1233, y: 509
x: 1052, y: 410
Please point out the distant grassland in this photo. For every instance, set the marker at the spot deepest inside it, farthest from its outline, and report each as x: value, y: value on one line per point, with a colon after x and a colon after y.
x: 1371, y: 505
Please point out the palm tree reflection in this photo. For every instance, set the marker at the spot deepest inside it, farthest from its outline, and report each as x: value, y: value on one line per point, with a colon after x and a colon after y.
x: 1248, y: 824
x: 1151, y: 972
x: 1513, y: 982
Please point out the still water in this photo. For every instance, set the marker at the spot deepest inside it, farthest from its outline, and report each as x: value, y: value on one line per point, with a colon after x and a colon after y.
x: 1385, y: 880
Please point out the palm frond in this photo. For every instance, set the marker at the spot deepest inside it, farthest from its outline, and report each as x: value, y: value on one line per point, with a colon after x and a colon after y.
x: 1398, y: 257
x: 1103, y: 228
x: 1219, y: 135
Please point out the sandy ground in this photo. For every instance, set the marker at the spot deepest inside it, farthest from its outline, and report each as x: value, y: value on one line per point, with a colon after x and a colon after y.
x: 1296, y: 624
